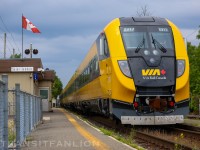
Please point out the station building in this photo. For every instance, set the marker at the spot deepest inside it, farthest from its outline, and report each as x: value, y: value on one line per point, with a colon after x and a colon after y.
x: 31, y: 76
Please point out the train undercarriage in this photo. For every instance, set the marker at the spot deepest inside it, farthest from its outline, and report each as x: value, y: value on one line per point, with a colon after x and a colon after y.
x: 154, y: 110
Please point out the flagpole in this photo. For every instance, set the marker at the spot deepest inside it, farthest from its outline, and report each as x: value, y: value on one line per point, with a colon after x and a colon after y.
x: 22, y: 38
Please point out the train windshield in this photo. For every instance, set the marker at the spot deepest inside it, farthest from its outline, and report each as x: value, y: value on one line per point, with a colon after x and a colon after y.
x: 147, y: 37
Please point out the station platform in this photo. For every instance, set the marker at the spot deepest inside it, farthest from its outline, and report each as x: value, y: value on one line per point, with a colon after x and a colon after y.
x: 62, y: 130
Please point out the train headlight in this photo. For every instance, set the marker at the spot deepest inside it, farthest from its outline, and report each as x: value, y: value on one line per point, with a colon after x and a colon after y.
x: 180, y: 67
x: 123, y: 64
x: 152, y: 60
x: 146, y: 52
x: 156, y: 52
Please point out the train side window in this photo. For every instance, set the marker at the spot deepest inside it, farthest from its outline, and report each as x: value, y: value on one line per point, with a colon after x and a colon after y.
x: 104, y: 50
x: 106, y: 53
x: 101, y: 47
x: 97, y: 66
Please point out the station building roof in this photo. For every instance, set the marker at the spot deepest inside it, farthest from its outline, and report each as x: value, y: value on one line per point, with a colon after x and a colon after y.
x: 7, y: 64
x: 26, y: 65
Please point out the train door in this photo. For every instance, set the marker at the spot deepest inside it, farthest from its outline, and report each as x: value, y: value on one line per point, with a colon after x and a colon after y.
x: 105, y: 73
x: 105, y: 66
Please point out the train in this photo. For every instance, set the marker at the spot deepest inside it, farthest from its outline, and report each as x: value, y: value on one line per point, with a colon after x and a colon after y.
x: 136, y: 71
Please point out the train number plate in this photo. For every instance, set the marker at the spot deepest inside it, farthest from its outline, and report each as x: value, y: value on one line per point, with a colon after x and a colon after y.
x: 152, y: 120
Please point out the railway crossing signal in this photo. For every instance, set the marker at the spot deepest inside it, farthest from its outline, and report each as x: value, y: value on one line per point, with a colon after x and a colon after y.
x: 31, y: 51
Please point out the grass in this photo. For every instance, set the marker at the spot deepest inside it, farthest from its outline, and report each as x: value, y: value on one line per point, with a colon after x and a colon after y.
x: 29, y: 138
x: 129, y: 140
x: 11, y: 131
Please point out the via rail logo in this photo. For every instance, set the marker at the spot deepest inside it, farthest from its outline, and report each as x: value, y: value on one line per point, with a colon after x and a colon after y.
x: 154, y: 74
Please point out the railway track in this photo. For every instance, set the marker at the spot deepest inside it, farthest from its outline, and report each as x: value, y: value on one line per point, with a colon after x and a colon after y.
x: 155, y: 137
x: 193, y: 116
x: 171, y: 136
x: 190, y: 132
x: 187, y: 127
x: 155, y: 142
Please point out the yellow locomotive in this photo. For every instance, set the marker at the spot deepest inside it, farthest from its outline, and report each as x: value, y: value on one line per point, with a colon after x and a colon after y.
x: 137, y: 70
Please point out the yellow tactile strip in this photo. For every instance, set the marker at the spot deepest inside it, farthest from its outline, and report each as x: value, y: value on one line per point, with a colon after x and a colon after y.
x: 96, y: 143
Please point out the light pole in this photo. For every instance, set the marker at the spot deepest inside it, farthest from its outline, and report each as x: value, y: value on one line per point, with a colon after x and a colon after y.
x: 31, y: 51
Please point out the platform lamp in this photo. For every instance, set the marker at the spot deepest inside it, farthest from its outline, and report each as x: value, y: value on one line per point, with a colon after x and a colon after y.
x: 31, y: 51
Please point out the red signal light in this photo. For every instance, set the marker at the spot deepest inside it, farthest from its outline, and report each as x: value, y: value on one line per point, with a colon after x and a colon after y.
x: 135, y: 104
x: 171, y: 104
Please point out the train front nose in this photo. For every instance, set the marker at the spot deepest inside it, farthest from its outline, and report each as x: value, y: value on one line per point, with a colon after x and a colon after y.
x: 155, y: 83
x: 155, y: 65
x: 151, y: 59
x: 153, y: 79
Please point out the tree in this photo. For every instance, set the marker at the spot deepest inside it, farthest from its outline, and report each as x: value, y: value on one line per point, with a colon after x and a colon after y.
x: 143, y: 12
x: 198, y: 35
x: 194, y: 57
x: 15, y: 56
x: 57, y: 87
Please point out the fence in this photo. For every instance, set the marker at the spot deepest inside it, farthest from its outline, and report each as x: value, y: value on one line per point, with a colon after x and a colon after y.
x: 4, y: 113
x: 20, y: 112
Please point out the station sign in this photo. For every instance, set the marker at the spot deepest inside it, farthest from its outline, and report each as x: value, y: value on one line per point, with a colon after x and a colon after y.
x: 22, y: 69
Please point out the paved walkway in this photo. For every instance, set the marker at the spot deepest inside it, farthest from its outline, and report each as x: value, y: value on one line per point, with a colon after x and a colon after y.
x: 62, y: 130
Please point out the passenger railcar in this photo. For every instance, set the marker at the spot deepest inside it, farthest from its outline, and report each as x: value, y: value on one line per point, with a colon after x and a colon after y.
x: 137, y: 70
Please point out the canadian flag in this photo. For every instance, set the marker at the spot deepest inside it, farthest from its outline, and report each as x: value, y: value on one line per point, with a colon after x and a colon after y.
x: 26, y: 24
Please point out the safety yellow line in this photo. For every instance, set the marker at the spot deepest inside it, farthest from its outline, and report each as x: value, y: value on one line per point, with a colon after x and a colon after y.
x: 95, y: 142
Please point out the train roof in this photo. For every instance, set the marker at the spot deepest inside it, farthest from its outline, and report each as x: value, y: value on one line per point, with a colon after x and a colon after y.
x: 142, y: 21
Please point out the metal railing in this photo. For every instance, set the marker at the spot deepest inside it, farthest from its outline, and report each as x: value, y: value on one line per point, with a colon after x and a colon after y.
x: 20, y: 112
x: 4, y: 113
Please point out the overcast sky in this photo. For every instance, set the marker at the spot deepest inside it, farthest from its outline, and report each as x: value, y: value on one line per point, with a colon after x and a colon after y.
x: 69, y: 27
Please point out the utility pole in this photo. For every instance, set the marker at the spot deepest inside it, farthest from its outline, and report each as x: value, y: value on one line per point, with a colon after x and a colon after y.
x: 4, y: 45
x: 31, y: 49
x: 13, y: 53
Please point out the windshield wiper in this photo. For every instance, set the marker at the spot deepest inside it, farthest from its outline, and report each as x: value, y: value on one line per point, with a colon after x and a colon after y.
x: 160, y: 46
x: 140, y: 45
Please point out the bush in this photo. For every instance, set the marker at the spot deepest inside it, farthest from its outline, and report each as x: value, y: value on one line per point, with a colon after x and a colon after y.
x: 194, y: 104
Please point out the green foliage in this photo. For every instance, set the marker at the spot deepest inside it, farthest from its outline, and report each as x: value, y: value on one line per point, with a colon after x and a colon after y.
x: 11, y: 131
x: 194, y: 104
x: 177, y: 140
x: 198, y: 35
x: 57, y: 87
x: 194, y: 57
x: 127, y: 139
x: 16, y: 56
